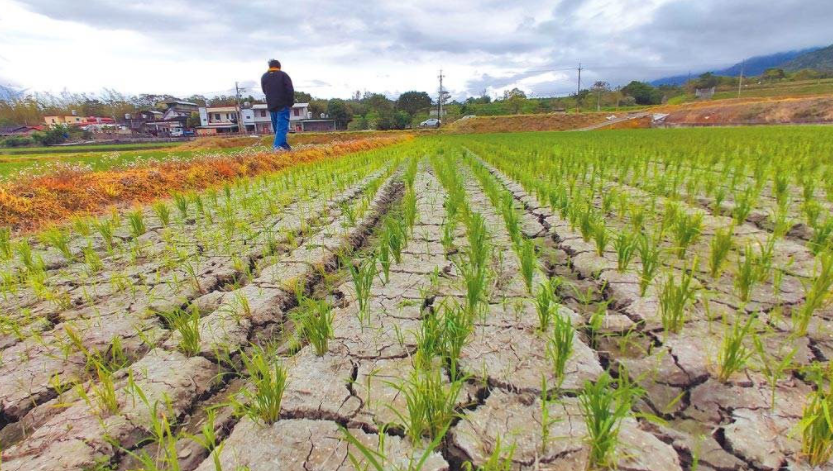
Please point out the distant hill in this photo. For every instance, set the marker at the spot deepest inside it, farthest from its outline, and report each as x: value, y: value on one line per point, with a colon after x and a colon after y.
x: 819, y: 59
x: 8, y: 93
x: 754, y: 65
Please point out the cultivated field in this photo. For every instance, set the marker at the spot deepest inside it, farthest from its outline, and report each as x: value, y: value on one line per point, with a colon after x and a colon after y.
x: 640, y: 300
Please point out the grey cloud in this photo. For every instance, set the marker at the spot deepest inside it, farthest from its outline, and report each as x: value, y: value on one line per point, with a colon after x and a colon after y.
x: 678, y: 36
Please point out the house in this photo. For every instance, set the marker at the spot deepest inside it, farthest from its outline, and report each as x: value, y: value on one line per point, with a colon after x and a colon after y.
x: 258, y: 120
x: 172, y: 121
x: 63, y: 120
x: 217, y: 120
x: 19, y: 130
x: 137, y: 122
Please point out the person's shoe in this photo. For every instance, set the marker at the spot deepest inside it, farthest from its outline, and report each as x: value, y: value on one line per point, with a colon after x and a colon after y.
x: 287, y: 148
x: 278, y: 150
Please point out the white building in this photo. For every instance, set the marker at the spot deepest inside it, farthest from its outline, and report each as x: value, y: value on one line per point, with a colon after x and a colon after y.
x: 258, y: 120
x: 218, y: 120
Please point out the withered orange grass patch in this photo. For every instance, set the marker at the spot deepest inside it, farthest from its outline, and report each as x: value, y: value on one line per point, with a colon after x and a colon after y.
x: 47, y: 199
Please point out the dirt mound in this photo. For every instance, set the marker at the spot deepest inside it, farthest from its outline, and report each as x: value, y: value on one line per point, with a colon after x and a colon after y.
x: 818, y: 109
x: 522, y: 123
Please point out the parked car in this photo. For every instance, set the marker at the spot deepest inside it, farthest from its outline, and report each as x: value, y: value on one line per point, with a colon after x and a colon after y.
x: 189, y: 133
x: 430, y: 123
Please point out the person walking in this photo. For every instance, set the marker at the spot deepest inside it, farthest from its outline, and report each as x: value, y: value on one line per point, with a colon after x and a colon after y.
x: 280, y: 96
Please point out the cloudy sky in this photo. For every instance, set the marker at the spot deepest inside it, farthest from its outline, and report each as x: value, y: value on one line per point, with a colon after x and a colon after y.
x: 332, y: 48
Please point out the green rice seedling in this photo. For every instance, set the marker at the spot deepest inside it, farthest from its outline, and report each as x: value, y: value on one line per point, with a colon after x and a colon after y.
x: 743, y: 205
x: 197, y: 199
x: 560, y: 346
x: 721, y: 244
x: 604, y: 407
x: 349, y: 211
x: 637, y: 219
x: 362, y: 276
x: 5, y: 243
x: 181, y: 203
x: 475, y: 281
x: 187, y: 324
x: 547, y: 302
x: 163, y: 213
x: 675, y: 299
x: 733, y: 354
x: 601, y: 236
x: 817, y: 294
x: 586, y: 222
x: 314, y: 323
x: 448, y: 227
x: 137, y: 222
x: 105, y: 228
x: 456, y: 328
x: 429, y: 341
x: 396, y: 237
x: 687, y: 230
x: 781, y: 223
x: 772, y: 368
x: 719, y: 198
x: 670, y: 217
x: 32, y: 263
x: 625, y: 246
x: 82, y: 225
x: 649, y: 253
x: 92, y: 260
x: 780, y: 188
x: 822, y: 238
x: 58, y: 238
x: 377, y: 458
x: 268, y: 378
x: 193, y: 276
x: 747, y: 274
x: 478, y: 250
x: 384, y: 255
x: 430, y: 403
x: 105, y: 392
x: 409, y: 209
x: 812, y: 210
x: 499, y: 460
x: 529, y: 262
x: 816, y: 426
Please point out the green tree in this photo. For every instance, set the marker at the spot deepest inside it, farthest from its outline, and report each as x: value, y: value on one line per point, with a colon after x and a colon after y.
x: 193, y: 120
x: 413, y: 102
x: 643, y: 93
x: 707, y: 80
x: 302, y: 97
x: 340, y: 111
x: 774, y: 74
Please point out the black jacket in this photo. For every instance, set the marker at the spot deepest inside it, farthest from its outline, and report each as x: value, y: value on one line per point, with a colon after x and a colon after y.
x: 277, y: 86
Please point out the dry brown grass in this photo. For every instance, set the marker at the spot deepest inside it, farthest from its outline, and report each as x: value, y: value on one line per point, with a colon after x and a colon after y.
x: 46, y: 199
x: 527, y: 122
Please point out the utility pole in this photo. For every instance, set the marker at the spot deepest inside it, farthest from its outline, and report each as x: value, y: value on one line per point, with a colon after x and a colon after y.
x: 578, y: 90
x: 740, y: 82
x: 241, y: 129
x: 440, y: 100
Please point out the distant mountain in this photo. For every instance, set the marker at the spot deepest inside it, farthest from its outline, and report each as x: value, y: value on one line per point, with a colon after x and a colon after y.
x: 8, y: 93
x: 754, y: 65
x: 819, y: 59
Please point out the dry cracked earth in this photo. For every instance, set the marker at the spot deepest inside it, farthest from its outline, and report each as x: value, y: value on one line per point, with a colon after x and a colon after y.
x: 244, y: 286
